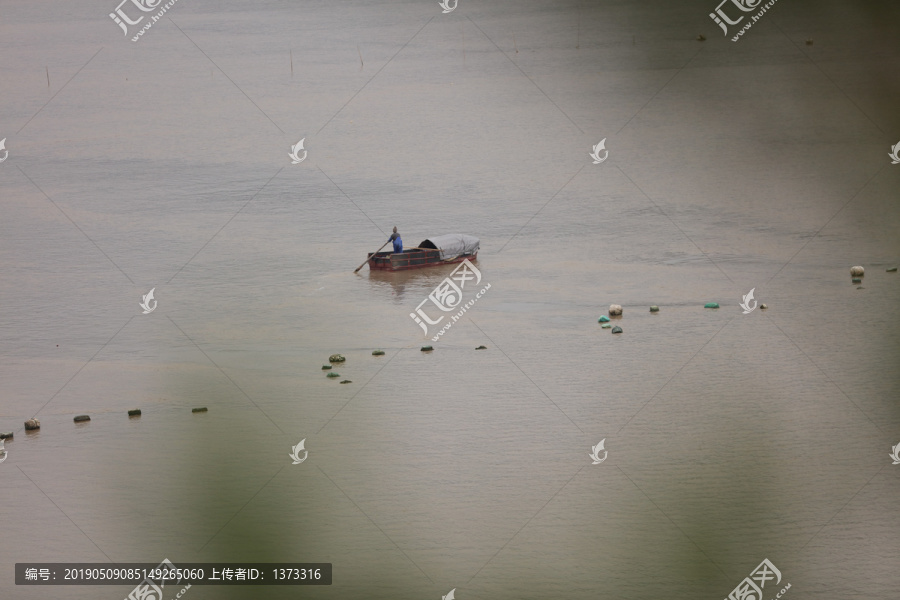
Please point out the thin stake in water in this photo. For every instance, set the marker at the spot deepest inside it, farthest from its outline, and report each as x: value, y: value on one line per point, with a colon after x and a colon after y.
x: 578, y: 30
x: 514, y: 44
x: 360, y: 57
x: 48, y: 76
x: 463, y: 34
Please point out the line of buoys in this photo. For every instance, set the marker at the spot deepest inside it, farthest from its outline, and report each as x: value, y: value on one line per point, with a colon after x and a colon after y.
x: 32, y: 424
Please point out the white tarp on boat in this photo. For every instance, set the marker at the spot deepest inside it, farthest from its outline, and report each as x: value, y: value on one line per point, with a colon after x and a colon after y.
x: 452, y: 244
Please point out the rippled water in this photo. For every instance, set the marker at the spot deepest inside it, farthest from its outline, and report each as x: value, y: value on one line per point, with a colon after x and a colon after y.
x: 731, y: 438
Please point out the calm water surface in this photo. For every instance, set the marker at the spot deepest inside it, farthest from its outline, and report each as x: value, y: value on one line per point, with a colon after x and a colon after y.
x: 731, y: 438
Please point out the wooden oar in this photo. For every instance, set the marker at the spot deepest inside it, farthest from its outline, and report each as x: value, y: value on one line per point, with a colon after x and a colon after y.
x: 371, y: 257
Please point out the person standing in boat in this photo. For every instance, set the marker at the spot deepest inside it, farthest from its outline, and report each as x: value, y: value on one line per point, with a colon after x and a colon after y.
x: 398, y: 243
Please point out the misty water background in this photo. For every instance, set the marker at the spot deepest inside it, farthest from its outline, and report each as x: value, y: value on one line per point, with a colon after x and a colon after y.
x: 732, y: 438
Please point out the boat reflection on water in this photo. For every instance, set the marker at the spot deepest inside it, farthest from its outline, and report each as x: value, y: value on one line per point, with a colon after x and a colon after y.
x: 405, y: 286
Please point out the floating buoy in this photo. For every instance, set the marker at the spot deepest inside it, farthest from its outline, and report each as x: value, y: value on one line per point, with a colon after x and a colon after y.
x: 346, y: 381
x: 333, y: 374
x: 201, y: 409
x: 377, y: 352
x: 82, y: 418
x: 809, y: 42
x: 615, y: 309
x: 654, y: 308
x: 617, y: 329
x: 605, y: 326
x: 136, y: 412
x: 701, y: 38
x: 857, y: 271
x: 603, y: 319
x: 32, y: 424
x: 427, y: 348
x: 891, y: 270
x: 326, y: 367
x: 336, y: 358
x: 481, y: 348
x: 764, y: 306
x: 6, y: 436
x: 711, y: 305
x: 856, y: 280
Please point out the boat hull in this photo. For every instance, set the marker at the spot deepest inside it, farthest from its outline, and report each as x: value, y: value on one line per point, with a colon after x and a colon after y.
x: 412, y: 258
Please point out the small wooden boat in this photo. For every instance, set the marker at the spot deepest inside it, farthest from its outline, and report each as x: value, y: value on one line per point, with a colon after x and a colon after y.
x: 439, y: 250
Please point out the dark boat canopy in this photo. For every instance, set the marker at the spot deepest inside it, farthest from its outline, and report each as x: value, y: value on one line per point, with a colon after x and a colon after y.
x: 452, y: 244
